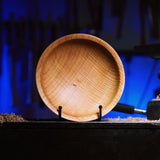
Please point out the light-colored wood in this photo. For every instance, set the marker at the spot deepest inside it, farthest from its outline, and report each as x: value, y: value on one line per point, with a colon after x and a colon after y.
x: 80, y: 72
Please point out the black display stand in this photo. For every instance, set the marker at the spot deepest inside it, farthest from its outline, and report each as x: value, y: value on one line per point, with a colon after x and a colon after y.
x: 60, y: 113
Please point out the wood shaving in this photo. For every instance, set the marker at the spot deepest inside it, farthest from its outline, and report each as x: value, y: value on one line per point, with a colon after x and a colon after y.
x: 134, y: 119
x: 5, y: 117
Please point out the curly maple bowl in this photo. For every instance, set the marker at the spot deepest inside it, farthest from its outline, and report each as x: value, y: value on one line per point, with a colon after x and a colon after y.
x: 80, y: 72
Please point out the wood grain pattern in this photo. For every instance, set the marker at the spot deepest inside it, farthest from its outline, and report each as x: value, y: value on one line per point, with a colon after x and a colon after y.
x: 80, y: 72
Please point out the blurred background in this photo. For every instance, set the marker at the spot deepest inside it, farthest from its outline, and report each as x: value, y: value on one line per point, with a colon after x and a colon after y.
x: 27, y: 27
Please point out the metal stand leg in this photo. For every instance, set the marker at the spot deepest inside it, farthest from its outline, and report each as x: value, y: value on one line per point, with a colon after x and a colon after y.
x: 100, y: 112
x: 60, y: 112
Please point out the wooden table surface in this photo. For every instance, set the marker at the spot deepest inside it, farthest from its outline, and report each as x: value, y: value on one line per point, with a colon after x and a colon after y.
x: 116, y: 140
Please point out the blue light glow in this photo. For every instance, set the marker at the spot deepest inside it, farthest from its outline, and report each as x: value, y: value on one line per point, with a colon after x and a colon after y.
x: 141, y: 71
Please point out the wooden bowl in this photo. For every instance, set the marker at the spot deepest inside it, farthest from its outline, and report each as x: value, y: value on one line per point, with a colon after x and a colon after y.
x: 80, y: 72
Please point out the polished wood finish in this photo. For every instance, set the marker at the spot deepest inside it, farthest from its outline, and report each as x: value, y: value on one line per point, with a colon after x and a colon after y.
x: 80, y: 72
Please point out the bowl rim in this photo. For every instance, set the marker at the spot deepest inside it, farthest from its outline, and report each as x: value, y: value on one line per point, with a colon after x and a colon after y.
x: 92, y: 38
